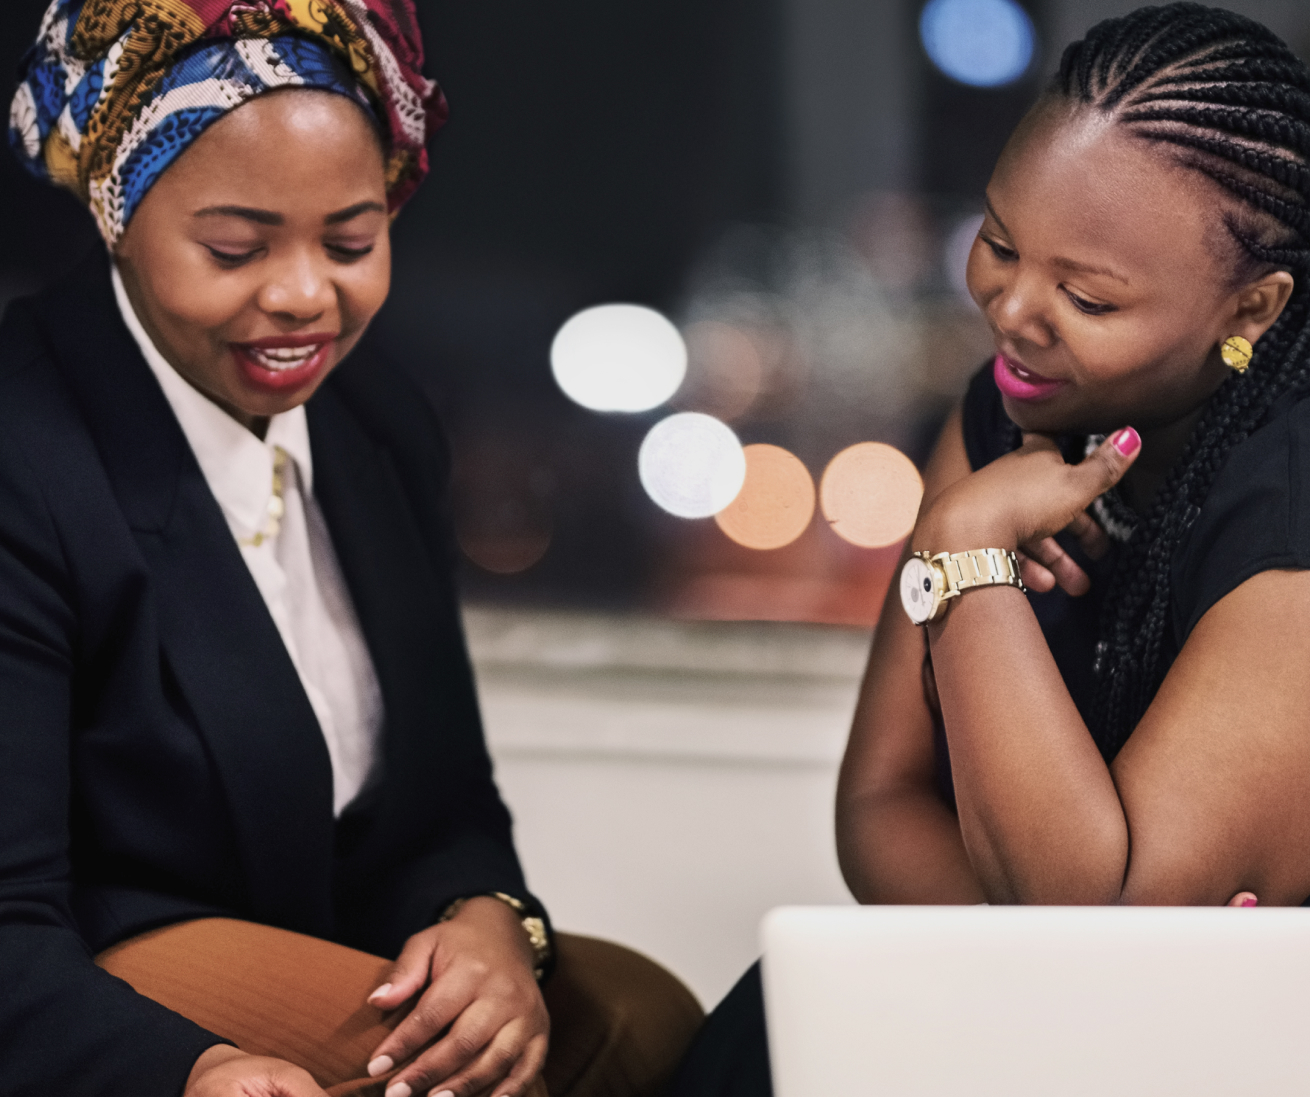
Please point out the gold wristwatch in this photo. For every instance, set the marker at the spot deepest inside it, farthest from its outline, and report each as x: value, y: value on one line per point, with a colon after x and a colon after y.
x: 533, y: 926
x: 929, y: 582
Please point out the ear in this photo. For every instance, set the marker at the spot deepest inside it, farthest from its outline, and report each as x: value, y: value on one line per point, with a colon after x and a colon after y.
x: 1258, y: 305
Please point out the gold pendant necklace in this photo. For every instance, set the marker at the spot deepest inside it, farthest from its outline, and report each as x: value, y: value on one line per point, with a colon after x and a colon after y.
x: 276, y: 505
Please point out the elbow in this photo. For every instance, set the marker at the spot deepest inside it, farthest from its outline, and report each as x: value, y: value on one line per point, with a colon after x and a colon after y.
x: 855, y: 825
x: 1084, y: 869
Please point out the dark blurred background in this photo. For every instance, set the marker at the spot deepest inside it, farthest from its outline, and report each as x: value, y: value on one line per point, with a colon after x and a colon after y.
x: 799, y: 174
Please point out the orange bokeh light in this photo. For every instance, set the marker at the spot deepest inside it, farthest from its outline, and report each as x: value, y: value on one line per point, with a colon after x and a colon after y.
x: 776, y: 502
x: 870, y: 493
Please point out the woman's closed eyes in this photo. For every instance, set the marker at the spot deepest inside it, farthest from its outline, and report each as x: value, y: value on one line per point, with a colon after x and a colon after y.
x: 1006, y: 254
x: 231, y: 258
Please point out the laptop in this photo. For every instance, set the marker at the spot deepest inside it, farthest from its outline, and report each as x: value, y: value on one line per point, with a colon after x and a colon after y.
x: 1038, y: 1001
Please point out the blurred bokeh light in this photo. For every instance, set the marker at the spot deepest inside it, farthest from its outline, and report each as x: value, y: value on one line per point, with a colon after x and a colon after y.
x: 794, y: 186
x: 506, y: 541
x: 870, y: 494
x: 726, y: 370
x: 959, y: 243
x: 691, y: 464
x: 982, y: 43
x: 501, y: 495
x: 775, y: 504
x: 619, y: 358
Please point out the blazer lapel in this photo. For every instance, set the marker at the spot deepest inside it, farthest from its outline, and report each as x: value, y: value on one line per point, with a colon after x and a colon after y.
x: 403, y: 614
x: 215, y: 630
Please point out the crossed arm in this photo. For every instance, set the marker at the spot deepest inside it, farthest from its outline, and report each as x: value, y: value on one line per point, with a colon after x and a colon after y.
x: 1209, y: 797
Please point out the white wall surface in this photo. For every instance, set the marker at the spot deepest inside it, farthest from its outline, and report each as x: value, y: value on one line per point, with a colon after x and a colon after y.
x: 670, y: 782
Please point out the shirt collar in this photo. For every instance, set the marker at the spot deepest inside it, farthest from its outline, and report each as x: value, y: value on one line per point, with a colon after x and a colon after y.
x: 237, y: 466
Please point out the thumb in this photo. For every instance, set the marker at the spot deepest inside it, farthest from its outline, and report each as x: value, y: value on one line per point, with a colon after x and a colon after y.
x: 1105, y: 466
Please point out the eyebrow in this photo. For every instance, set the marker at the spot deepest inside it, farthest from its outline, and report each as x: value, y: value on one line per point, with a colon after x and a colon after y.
x: 351, y: 212
x: 1087, y: 268
x: 995, y: 216
x: 1059, y: 261
x: 259, y: 216
x: 268, y: 217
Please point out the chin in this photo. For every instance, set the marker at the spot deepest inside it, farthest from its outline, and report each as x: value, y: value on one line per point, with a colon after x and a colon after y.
x: 1037, y: 419
x: 1048, y: 419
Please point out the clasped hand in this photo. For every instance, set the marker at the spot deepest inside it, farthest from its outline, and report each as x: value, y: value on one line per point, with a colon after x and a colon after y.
x: 1022, y: 500
x: 477, y: 1028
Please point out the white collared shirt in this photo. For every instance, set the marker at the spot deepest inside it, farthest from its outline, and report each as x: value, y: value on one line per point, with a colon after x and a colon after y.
x: 296, y: 570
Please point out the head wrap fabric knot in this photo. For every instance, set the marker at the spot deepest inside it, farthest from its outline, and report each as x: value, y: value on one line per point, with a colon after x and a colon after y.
x: 115, y: 90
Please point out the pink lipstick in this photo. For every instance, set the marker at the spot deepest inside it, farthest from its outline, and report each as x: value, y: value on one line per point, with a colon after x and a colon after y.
x: 283, y: 362
x: 1019, y: 383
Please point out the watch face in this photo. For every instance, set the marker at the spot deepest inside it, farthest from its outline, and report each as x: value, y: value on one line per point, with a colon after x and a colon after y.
x: 916, y: 590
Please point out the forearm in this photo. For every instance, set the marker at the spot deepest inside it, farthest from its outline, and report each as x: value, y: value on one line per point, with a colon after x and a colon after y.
x: 904, y: 846
x: 897, y: 840
x: 69, y: 1028
x: 1039, y: 813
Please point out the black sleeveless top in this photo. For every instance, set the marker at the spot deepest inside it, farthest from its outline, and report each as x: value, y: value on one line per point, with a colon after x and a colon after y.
x: 1256, y: 518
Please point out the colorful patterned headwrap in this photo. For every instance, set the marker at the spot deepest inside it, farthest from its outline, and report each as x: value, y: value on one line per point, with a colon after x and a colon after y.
x: 115, y: 90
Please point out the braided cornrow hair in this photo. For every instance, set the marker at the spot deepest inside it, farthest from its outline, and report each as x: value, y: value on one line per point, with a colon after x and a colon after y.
x: 1225, y: 97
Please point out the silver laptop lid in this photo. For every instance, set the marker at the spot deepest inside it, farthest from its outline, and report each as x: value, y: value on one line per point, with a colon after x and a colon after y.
x: 1037, y: 1001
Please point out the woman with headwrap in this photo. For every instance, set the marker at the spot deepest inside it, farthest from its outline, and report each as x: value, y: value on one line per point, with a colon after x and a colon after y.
x: 238, y: 730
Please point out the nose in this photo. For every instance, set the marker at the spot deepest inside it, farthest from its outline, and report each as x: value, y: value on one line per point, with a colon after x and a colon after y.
x: 299, y: 288
x: 1019, y: 310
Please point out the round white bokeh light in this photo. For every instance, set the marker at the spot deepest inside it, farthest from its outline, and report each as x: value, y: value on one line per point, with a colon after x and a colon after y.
x: 982, y: 43
x: 619, y: 358
x: 692, y: 465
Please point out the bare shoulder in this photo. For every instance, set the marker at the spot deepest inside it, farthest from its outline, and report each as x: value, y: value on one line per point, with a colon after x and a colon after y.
x: 949, y: 461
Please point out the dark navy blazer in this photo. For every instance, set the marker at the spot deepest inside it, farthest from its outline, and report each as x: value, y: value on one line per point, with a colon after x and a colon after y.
x: 159, y: 759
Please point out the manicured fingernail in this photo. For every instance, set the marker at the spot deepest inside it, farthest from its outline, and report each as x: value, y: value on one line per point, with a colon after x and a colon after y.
x: 1250, y: 901
x: 442, y: 1093
x: 380, y: 1065
x: 385, y: 988
x: 1127, y: 441
x: 398, y: 1089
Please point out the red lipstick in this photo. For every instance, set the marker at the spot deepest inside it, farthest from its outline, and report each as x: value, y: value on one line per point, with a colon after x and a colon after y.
x: 281, y: 363
x: 1020, y: 383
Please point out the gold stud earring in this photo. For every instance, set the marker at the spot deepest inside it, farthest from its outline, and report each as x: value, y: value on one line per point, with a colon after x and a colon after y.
x: 1236, y: 353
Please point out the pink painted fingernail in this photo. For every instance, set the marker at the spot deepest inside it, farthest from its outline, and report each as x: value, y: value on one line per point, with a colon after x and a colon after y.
x: 385, y: 988
x: 1250, y: 901
x: 1127, y: 441
x: 398, y: 1089
x: 380, y: 1065
x: 442, y: 1093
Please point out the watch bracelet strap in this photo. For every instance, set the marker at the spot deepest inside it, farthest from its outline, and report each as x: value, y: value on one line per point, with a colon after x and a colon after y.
x: 533, y: 926
x: 988, y: 567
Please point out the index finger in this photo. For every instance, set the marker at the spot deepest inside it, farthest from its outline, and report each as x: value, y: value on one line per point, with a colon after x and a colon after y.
x: 435, y: 1011
x: 1060, y: 565
x: 1094, y: 540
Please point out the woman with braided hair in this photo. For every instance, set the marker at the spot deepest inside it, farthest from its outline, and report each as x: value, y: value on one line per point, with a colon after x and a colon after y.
x: 250, y: 842
x: 1134, y: 727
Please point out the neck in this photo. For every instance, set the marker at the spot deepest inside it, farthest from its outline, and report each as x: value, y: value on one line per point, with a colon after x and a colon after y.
x: 1162, y: 446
